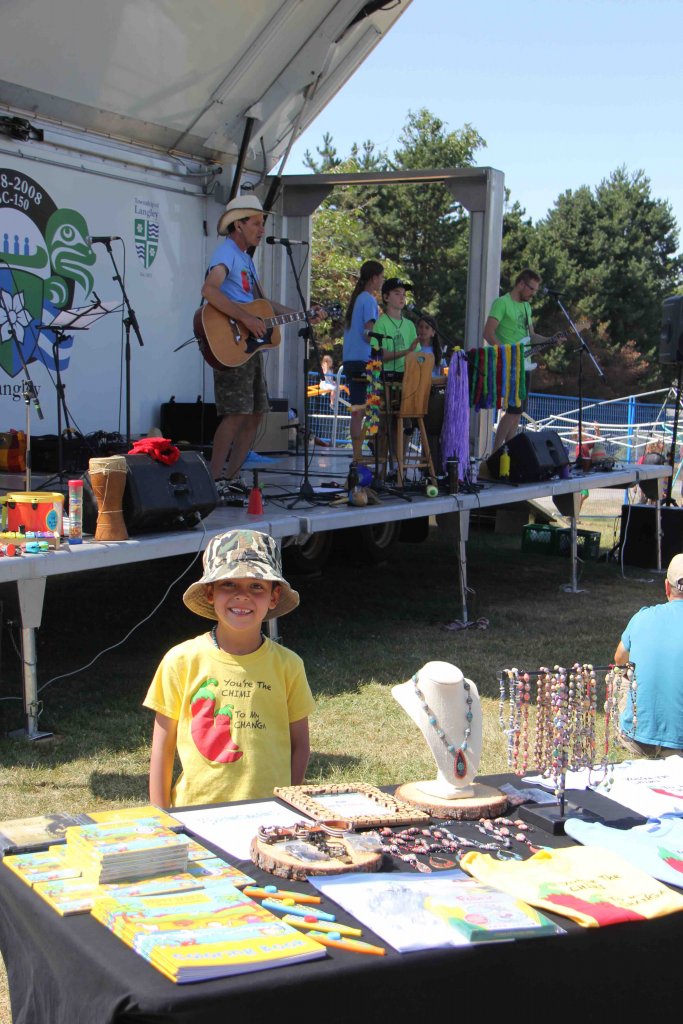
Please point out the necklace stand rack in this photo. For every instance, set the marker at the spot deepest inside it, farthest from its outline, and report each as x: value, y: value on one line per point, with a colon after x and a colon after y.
x: 557, y: 709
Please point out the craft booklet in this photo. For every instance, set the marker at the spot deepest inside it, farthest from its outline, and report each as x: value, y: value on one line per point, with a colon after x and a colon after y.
x: 413, y: 912
x: 208, y: 934
x: 18, y: 835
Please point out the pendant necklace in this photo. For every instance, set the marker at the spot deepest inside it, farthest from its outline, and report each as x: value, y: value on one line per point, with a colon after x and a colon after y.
x: 457, y: 752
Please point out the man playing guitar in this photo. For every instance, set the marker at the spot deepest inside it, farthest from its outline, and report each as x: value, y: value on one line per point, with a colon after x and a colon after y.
x: 508, y: 323
x: 231, y: 281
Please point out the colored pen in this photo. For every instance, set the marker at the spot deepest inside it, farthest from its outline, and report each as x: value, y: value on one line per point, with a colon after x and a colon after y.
x: 292, y: 908
x: 353, y: 945
x: 279, y: 894
x: 323, y: 926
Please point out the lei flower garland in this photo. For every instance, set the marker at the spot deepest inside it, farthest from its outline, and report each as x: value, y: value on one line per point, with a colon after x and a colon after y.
x: 373, y: 396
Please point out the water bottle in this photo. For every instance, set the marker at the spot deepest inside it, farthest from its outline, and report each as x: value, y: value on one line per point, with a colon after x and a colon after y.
x: 504, y: 464
x: 453, y: 470
x: 75, y: 511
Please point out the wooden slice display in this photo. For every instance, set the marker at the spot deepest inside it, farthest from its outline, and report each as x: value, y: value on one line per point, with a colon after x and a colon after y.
x: 274, y: 858
x: 485, y: 802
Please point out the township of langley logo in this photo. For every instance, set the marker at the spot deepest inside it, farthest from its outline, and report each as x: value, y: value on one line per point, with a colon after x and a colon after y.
x: 146, y: 240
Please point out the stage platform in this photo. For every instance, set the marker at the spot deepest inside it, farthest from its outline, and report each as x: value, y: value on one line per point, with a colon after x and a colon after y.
x: 285, y: 515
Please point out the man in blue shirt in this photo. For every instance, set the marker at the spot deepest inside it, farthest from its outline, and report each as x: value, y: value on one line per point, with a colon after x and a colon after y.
x: 653, y: 641
x: 231, y: 281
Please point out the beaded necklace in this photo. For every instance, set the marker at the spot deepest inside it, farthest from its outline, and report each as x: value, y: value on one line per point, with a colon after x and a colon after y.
x: 457, y: 752
x: 444, y: 848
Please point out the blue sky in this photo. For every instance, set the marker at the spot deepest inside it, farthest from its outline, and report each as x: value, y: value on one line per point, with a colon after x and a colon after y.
x: 563, y: 91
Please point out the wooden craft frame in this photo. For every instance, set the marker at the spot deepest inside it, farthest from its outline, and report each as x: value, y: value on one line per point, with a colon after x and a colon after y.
x: 390, y: 811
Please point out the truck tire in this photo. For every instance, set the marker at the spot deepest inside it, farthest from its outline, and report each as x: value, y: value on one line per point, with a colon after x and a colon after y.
x: 309, y: 555
x: 372, y: 543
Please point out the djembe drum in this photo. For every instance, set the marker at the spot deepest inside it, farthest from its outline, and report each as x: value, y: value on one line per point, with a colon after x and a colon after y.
x: 108, y: 480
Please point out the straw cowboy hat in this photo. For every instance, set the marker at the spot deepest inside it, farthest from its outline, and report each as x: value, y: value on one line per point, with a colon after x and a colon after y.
x: 237, y: 209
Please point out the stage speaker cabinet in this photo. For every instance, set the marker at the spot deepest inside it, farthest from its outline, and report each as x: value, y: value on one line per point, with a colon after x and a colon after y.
x: 535, y: 455
x: 638, y: 540
x: 160, y: 497
x: 671, y: 336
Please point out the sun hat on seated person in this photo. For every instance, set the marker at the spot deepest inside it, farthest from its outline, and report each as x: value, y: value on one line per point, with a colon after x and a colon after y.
x: 674, y: 573
x: 237, y: 209
x: 241, y: 554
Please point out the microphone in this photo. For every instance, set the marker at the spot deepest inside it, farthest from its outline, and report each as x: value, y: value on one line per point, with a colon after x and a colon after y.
x: 103, y: 239
x: 272, y: 240
x: 410, y: 307
x: 551, y: 291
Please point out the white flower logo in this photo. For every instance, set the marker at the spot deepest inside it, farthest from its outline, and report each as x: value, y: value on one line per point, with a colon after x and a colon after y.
x: 14, y: 316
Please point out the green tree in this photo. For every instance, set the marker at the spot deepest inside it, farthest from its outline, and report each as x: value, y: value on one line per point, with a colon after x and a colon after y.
x: 421, y: 227
x: 612, y: 250
x: 418, y: 231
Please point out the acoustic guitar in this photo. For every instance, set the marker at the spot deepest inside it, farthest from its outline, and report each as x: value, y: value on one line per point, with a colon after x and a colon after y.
x: 224, y: 341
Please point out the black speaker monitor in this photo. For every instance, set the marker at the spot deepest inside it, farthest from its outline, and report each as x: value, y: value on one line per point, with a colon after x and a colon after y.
x: 671, y: 336
x: 160, y: 497
x: 534, y: 456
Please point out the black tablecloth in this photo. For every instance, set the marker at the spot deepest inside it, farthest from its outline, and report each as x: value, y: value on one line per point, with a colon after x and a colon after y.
x: 73, y: 971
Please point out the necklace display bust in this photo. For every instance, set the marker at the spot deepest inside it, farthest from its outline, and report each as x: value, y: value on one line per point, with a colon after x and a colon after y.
x: 447, y: 710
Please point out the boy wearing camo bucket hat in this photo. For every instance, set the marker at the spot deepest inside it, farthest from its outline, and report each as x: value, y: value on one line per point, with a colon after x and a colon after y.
x: 233, y: 704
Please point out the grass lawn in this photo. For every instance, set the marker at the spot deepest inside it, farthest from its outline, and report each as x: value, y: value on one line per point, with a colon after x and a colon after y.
x: 360, y: 629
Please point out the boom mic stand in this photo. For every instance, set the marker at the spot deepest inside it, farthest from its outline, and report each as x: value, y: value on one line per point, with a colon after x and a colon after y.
x: 668, y: 500
x: 129, y: 321
x: 583, y: 347
x: 382, y: 485
x: 305, y: 492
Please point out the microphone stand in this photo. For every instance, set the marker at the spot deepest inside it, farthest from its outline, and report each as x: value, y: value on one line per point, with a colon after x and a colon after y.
x: 381, y: 485
x: 668, y: 500
x: 305, y: 492
x: 583, y: 347
x: 129, y: 321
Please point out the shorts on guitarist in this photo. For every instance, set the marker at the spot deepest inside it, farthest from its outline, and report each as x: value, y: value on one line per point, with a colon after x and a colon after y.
x: 508, y: 323
x: 240, y: 391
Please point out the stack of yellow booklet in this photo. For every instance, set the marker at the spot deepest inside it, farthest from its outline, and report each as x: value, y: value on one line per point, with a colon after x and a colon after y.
x: 125, y: 850
x: 62, y: 885
x: 212, y: 933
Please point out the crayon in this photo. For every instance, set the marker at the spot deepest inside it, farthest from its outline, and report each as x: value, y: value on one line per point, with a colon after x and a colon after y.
x: 353, y: 945
x: 278, y: 894
x: 323, y: 926
x: 299, y: 911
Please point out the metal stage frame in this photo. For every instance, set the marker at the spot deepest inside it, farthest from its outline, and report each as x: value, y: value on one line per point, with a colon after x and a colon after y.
x: 31, y: 572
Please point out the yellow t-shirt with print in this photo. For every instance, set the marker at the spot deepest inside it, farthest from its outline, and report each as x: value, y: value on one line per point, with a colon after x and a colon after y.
x: 233, y: 716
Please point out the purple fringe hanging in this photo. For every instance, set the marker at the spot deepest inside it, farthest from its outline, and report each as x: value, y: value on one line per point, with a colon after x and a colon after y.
x: 455, y: 433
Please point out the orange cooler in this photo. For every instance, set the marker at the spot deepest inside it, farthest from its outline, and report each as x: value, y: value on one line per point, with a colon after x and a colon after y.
x: 33, y: 512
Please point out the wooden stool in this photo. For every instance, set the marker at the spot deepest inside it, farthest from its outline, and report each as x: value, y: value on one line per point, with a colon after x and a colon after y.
x: 417, y: 386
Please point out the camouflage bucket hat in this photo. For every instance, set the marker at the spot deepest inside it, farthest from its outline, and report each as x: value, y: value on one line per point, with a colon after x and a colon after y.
x: 241, y: 554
